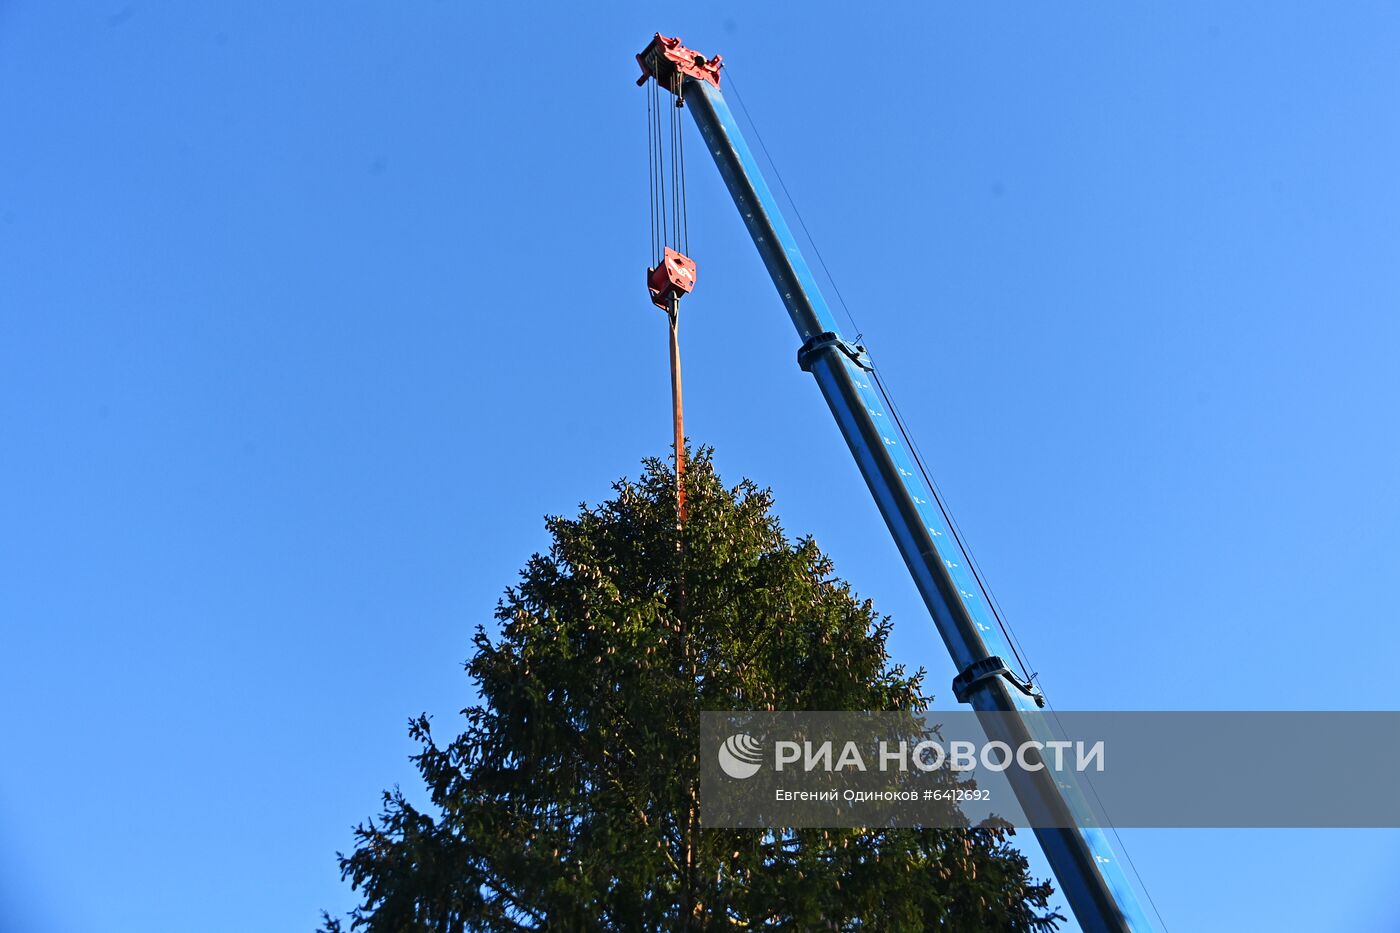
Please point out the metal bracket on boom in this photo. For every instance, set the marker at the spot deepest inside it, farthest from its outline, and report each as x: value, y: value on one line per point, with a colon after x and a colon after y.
x: 987, y: 669
x: 665, y: 59
x: 828, y: 340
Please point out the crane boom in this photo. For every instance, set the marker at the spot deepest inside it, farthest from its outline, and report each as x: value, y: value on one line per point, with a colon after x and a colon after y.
x: 1086, y: 866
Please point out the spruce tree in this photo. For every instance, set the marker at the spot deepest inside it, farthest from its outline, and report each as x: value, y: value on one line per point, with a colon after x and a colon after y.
x: 569, y: 799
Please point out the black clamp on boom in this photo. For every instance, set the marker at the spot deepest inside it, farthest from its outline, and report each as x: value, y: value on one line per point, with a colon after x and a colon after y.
x: 827, y: 340
x: 986, y: 669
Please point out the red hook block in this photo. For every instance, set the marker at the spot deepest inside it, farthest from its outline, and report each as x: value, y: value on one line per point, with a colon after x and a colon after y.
x: 675, y: 275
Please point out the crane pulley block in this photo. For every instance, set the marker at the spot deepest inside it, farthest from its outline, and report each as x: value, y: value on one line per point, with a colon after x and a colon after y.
x: 666, y: 60
x: 674, y: 276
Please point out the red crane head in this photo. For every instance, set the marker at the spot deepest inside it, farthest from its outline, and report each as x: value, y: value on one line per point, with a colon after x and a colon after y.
x: 665, y: 59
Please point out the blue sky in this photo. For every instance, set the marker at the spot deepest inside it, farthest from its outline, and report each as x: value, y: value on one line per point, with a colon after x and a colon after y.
x: 308, y: 316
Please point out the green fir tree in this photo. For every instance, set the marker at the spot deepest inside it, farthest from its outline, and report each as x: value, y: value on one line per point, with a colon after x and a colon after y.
x: 569, y: 800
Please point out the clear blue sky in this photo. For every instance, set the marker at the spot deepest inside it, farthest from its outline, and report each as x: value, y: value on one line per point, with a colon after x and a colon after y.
x: 308, y: 316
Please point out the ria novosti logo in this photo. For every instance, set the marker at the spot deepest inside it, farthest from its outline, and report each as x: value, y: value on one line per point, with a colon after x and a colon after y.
x: 740, y: 756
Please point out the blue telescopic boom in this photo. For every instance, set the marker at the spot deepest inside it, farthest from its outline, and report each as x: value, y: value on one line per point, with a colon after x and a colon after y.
x: 1087, y: 868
